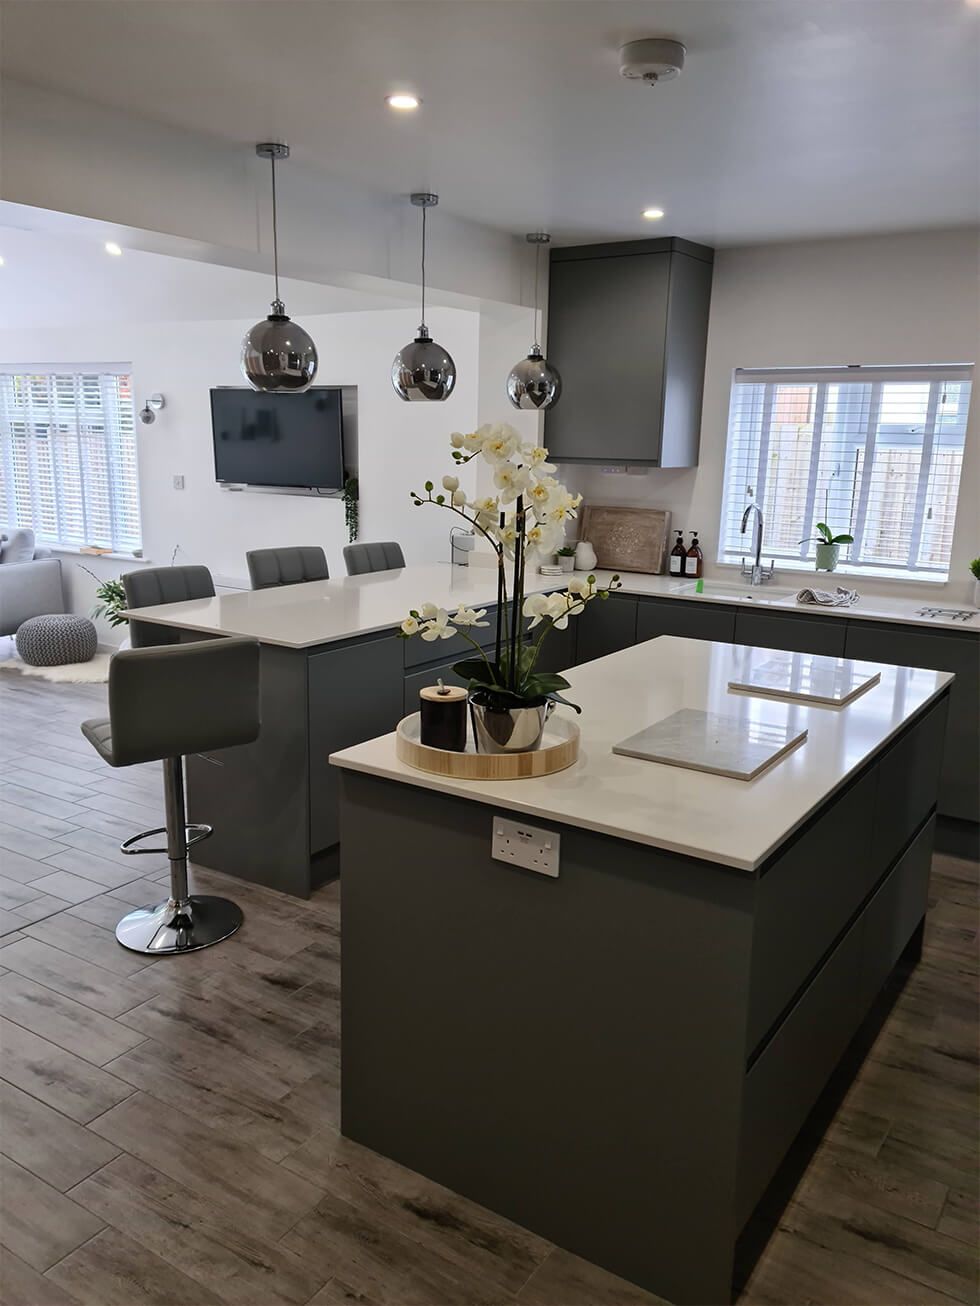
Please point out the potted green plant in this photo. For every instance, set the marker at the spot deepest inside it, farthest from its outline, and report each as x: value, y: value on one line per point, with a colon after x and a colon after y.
x: 510, y: 700
x: 975, y: 569
x: 566, y: 557
x: 827, y: 546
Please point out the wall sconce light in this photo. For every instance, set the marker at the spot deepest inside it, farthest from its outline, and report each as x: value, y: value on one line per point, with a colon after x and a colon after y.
x: 151, y: 406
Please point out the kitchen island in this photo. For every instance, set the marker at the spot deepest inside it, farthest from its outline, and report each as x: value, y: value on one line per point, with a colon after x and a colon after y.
x: 619, y: 1057
x: 334, y: 673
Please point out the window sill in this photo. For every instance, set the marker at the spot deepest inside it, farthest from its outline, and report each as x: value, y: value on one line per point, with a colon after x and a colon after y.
x: 73, y: 551
x: 872, y: 574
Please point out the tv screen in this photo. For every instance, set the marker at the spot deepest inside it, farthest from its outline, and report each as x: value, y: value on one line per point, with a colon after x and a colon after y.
x: 282, y: 440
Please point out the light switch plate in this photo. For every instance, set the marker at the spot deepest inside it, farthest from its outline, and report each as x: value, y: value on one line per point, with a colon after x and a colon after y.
x: 178, y: 482
x: 526, y: 845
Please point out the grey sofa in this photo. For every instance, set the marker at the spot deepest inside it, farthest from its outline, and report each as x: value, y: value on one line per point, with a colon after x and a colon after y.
x: 28, y: 587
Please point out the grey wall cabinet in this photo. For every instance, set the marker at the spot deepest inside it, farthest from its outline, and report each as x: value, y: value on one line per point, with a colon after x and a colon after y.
x: 690, y: 619
x: 627, y: 329
x: 606, y: 626
x: 959, y: 791
x: 795, y: 634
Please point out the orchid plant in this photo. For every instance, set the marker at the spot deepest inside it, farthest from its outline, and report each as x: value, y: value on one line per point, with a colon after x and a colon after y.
x: 523, y: 521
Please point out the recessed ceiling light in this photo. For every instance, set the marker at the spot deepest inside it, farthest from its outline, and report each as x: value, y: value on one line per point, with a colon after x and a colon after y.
x: 112, y: 248
x: 403, y: 100
x: 652, y: 215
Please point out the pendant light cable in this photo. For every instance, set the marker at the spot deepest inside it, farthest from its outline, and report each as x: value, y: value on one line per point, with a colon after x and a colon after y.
x: 275, y: 236
x: 423, y: 266
x: 537, y: 269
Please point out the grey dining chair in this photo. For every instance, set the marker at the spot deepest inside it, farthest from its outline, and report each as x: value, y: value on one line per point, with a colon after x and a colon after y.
x: 152, y: 585
x: 163, y: 704
x: 268, y: 568
x: 364, y: 558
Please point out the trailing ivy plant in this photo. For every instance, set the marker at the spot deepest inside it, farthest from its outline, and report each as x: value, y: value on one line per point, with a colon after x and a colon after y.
x: 351, y: 520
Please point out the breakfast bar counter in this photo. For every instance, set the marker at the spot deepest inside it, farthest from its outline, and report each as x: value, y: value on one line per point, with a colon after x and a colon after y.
x: 619, y: 1055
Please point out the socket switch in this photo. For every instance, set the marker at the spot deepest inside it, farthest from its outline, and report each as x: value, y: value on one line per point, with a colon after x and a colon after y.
x: 178, y: 482
x: 526, y: 845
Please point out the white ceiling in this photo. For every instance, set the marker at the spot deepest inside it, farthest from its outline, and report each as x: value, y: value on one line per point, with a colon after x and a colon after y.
x: 794, y: 118
x: 50, y: 280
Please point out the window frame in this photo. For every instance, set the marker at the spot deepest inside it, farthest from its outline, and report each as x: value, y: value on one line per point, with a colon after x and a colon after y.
x: 874, y: 377
x: 116, y: 414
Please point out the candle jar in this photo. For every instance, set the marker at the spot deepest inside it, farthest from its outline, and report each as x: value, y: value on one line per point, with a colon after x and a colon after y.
x: 443, y: 717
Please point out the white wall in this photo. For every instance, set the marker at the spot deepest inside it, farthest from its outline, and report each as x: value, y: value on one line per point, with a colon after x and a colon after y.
x: 886, y: 299
x: 400, y: 444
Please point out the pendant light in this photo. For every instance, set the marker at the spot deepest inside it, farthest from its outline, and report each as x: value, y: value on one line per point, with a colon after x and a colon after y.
x: 277, y: 354
x: 423, y: 369
x: 533, y: 382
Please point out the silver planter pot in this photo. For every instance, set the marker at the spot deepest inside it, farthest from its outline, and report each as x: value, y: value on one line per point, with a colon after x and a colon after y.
x: 509, y: 730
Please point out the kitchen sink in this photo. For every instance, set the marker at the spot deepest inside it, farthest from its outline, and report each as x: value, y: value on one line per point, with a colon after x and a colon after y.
x: 720, y: 589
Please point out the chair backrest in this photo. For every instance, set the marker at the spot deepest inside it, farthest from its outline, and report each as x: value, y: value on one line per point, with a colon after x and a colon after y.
x: 153, y: 585
x: 188, y: 698
x: 362, y: 558
x: 268, y: 568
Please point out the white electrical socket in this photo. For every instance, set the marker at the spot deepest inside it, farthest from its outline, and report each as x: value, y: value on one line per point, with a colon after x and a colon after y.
x: 525, y: 845
x: 178, y: 482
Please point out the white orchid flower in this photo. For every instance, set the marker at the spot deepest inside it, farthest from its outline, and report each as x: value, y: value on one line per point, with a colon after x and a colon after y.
x: 500, y: 445
x: 410, y: 626
x: 450, y: 483
x: 511, y: 481
x: 558, y: 608
x: 437, y: 627
x: 579, y: 586
x: 468, y: 617
x: 539, y: 495
x: 428, y: 611
x: 473, y: 441
x: 536, y: 457
x: 535, y: 607
x: 543, y: 537
x: 456, y: 440
x: 459, y: 498
x: 487, y: 509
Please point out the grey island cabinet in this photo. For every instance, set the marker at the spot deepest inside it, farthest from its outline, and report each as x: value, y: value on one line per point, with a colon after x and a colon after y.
x: 619, y: 1056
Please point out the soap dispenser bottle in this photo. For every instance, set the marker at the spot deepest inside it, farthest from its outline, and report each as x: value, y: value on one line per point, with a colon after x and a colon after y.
x: 678, y: 556
x: 694, y: 561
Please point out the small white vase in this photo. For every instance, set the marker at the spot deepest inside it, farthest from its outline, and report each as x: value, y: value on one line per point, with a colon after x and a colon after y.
x: 976, y: 593
x: 585, y: 559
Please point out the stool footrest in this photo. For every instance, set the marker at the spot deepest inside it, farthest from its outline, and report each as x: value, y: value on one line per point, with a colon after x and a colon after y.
x: 193, y: 834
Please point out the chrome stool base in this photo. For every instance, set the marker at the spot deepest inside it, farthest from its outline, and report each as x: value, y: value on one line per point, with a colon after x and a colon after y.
x: 171, y: 927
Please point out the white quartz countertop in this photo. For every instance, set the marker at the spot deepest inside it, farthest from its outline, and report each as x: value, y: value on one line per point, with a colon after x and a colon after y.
x: 324, y: 611
x: 733, y: 822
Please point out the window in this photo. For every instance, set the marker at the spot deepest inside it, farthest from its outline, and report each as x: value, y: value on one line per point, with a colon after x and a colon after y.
x: 68, y: 456
x: 875, y: 452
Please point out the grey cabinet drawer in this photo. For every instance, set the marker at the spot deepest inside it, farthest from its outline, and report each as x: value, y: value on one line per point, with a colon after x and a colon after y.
x: 795, y: 634
x: 559, y: 651
x: 419, y: 651
x: 959, y: 790
x: 690, y: 618
x: 806, y: 898
x: 908, y: 779
x: 606, y: 626
x: 894, y: 913
x: 786, y: 1080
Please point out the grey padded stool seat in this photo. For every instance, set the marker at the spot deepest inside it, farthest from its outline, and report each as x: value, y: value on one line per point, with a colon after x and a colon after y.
x: 153, y: 585
x: 268, y: 568
x: 362, y: 558
x: 163, y: 704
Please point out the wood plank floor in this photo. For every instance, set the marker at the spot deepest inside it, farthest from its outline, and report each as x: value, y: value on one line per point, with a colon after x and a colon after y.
x: 169, y: 1127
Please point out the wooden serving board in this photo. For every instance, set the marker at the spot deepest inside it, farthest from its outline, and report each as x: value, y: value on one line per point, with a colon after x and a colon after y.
x: 628, y: 539
x: 559, y: 749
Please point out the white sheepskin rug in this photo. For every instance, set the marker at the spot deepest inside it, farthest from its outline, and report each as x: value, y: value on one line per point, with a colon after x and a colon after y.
x: 95, y: 672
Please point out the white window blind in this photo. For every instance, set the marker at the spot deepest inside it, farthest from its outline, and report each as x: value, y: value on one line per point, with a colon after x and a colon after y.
x: 875, y: 452
x: 68, y: 456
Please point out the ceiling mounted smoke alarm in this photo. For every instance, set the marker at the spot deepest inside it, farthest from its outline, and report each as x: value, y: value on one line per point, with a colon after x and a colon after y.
x: 652, y: 60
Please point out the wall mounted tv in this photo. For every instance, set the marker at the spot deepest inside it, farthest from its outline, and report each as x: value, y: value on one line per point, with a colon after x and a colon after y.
x: 290, y: 441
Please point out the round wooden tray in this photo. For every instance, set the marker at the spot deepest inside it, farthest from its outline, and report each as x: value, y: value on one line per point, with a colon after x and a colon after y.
x: 559, y: 749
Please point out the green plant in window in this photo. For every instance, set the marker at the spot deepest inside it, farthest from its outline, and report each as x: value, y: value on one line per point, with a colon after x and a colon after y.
x: 827, y: 536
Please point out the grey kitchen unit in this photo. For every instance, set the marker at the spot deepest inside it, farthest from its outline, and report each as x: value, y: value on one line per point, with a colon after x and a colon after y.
x: 620, y: 1057
x: 627, y: 329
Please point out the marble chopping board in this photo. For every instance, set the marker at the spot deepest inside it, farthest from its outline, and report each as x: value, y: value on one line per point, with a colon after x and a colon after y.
x: 805, y: 678
x: 708, y: 741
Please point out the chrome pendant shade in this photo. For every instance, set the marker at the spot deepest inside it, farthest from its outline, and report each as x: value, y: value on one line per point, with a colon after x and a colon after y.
x: 423, y: 370
x: 534, y: 382
x: 277, y: 353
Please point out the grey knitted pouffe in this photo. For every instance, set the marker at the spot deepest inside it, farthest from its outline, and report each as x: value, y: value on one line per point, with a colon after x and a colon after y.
x: 56, y: 640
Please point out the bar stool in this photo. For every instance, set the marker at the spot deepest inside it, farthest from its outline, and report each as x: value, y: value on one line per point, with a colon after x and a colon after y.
x: 153, y: 585
x: 269, y: 568
x: 364, y: 558
x: 164, y: 703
